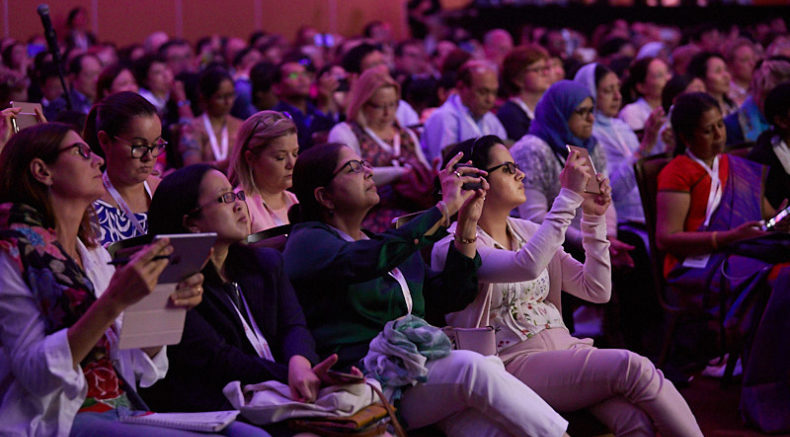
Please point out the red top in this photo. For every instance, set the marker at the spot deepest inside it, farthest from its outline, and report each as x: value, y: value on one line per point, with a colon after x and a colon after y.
x: 683, y: 175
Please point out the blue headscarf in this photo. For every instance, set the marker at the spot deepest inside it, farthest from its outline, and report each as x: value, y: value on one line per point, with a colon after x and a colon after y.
x: 552, y: 114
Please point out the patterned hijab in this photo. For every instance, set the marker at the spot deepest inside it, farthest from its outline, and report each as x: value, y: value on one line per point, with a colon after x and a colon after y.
x: 552, y: 114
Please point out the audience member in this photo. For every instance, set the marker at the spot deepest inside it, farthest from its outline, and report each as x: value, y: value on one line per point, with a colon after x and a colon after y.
x: 523, y: 272
x: 741, y: 59
x: 244, y: 60
x: 497, y: 43
x: 114, y: 79
x: 211, y: 136
x: 262, y: 166
x: 749, y: 121
x: 642, y: 90
x: 291, y: 84
x: 711, y: 68
x: 466, y: 114
x: 400, y: 171
x: 771, y: 148
x: 351, y: 284
x: 64, y: 373
x: 249, y: 326
x: 125, y: 129
x: 83, y: 73
x: 526, y: 75
x: 263, y: 96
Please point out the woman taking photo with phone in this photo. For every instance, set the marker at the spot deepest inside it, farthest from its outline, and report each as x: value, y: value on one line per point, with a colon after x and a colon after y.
x: 62, y: 371
x: 352, y: 283
x: 523, y: 273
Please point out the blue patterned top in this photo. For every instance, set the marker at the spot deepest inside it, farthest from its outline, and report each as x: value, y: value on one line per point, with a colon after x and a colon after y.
x: 115, y: 226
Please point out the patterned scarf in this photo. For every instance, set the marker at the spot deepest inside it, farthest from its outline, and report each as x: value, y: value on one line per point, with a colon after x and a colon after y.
x: 60, y: 288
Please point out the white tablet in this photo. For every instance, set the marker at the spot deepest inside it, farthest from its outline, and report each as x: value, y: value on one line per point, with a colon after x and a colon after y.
x: 154, y: 321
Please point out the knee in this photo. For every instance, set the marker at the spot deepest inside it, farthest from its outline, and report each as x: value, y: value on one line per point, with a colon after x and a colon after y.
x: 641, y: 379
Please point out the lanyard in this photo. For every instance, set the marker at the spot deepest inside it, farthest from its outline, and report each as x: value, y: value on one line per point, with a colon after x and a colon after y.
x: 395, y: 273
x: 253, y: 333
x: 220, y: 151
x: 122, y: 203
x: 394, y: 149
x: 714, y: 196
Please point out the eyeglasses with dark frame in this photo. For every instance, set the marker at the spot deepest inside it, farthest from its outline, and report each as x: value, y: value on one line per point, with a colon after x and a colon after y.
x: 139, y: 150
x: 228, y: 197
x: 83, y: 149
x: 509, y: 167
x: 355, y: 165
x: 585, y: 111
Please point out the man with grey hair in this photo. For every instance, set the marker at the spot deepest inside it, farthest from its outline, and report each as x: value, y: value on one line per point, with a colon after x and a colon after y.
x: 466, y: 114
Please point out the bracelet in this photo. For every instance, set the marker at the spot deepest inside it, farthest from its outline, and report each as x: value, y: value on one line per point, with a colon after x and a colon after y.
x: 463, y: 240
x: 713, y: 240
x: 445, y: 213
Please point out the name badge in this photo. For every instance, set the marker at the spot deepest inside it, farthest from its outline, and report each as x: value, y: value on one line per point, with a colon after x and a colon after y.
x: 696, y: 262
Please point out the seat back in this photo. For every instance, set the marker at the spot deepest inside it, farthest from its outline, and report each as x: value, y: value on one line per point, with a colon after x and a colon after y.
x: 646, y: 171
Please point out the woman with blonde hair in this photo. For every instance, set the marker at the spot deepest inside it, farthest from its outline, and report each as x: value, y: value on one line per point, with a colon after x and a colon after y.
x: 401, y: 173
x: 262, y: 166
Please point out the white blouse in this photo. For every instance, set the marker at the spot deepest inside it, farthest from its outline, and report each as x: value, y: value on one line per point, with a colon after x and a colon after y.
x: 40, y: 389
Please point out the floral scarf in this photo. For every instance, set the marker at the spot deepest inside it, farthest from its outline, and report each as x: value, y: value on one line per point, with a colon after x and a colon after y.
x: 60, y: 288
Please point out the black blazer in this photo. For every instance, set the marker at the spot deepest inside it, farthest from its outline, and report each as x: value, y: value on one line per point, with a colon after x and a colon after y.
x: 777, y: 185
x: 214, y: 349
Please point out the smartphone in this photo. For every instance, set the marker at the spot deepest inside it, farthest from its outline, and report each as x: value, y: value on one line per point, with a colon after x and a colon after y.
x: 770, y: 224
x: 347, y: 378
x: 468, y: 185
x: 27, y: 117
x: 593, y: 186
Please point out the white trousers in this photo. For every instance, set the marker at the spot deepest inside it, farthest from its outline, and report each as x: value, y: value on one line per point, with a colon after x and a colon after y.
x: 468, y: 394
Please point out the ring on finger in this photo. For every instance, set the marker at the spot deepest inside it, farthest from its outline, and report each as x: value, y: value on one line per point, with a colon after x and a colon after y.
x: 457, y: 173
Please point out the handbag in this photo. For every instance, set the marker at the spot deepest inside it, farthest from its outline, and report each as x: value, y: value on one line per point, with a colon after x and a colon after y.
x: 481, y: 340
x: 367, y: 422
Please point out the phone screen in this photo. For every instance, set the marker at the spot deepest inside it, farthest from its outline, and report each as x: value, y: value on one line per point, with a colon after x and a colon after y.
x: 771, y: 224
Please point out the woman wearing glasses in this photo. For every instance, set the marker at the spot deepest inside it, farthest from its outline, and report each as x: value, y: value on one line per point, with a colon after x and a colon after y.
x: 262, y: 165
x: 403, y: 178
x: 523, y: 273
x: 249, y: 327
x: 125, y: 129
x: 61, y: 371
x: 352, y: 283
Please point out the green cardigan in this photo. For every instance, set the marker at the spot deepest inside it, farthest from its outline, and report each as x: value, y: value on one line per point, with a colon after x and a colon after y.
x: 346, y: 291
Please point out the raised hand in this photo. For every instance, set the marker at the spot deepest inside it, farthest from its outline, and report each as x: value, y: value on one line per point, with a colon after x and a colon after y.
x: 452, y: 180
x: 576, y: 173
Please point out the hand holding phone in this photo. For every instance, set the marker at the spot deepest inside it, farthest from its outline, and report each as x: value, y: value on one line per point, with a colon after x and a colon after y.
x: 593, y: 186
x: 30, y: 114
x: 467, y: 185
x: 770, y: 224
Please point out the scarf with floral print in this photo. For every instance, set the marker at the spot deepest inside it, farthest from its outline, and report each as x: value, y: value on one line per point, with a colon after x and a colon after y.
x: 60, y: 288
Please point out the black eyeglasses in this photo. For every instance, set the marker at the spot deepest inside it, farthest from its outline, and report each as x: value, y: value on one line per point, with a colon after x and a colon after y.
x: 83, y: 149
x: 228, y: 197
x: 139, y: 150
x: 507, y: 167
x: 355, y: 165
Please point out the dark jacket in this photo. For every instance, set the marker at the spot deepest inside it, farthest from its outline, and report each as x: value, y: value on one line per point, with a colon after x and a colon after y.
x: 514, y: 119
x: 214, y: 349
x: 777, y: 186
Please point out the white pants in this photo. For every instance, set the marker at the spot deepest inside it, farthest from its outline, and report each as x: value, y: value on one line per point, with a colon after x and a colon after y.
x: 468, y: 394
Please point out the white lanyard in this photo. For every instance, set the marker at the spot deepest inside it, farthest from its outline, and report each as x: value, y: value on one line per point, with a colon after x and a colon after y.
x: 395, y: 273
x: 220, y: 151
x: 523, y: 107
x: 394, y: 149
x: 464, y: 112
x: 122, y: 203
x: 253, y: 333
x: 714, y: 197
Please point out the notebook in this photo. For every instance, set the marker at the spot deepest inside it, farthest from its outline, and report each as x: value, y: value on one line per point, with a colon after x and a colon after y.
x: 210, y: 421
